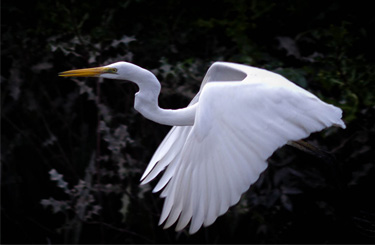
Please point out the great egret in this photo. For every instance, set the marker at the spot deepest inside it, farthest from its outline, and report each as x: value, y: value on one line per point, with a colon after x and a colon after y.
x: 220, y: 142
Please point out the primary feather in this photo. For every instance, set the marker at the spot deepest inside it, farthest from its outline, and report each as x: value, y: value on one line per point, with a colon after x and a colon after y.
x: 244, y: 114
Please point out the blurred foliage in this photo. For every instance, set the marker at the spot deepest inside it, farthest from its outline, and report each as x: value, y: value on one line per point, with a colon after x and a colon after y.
x: 73, y: 150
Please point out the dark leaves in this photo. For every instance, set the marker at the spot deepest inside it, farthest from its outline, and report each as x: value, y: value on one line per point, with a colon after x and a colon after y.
x: 73, y: 150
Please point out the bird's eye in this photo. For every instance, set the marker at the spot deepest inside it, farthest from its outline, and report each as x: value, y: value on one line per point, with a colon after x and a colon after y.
x: 110, y: 70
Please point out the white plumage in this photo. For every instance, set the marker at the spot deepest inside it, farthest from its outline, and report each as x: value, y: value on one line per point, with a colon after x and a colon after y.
x: 220, y: 143
x: 244, y: 114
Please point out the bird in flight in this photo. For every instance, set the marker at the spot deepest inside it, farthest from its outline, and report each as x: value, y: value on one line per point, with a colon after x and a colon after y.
x: 219, y: 144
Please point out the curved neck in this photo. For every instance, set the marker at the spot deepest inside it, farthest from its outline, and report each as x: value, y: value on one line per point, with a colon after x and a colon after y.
x: 146, y: 103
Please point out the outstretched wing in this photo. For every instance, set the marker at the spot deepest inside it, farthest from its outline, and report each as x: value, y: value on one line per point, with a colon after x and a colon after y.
x: 238, y: 125
x: 175, y: 139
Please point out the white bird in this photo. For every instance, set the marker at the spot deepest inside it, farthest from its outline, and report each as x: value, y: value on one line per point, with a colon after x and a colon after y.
x: 219, y: 143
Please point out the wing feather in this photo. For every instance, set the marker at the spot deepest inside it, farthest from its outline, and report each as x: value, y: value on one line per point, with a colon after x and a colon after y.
x: 163, y: 156
x: 162, y: 150
x: 238, y: 125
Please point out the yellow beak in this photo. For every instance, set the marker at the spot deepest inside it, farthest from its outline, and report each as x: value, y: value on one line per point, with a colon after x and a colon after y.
x: 88, y: 72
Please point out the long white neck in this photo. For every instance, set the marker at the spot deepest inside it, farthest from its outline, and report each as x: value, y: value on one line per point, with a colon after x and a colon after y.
x: 146, y: 102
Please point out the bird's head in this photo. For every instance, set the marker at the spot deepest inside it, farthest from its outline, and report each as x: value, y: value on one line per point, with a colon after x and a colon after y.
x: 118, y: 70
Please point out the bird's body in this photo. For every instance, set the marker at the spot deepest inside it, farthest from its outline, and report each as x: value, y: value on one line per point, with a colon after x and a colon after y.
x: 220, y: 143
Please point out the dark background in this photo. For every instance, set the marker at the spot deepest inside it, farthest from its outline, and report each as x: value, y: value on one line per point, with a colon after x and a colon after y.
x: 73, y: 150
